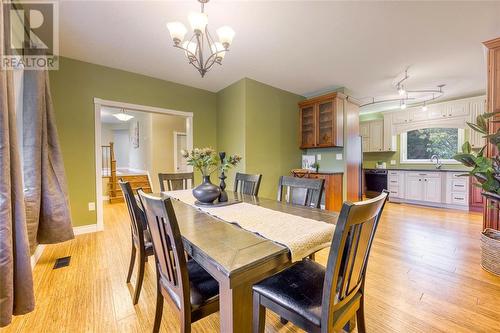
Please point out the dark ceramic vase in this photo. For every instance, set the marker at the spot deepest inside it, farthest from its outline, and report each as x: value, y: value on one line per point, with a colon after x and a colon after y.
x: 206, y: 192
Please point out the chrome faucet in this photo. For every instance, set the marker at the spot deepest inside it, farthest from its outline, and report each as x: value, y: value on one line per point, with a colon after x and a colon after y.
x: 435, y: 157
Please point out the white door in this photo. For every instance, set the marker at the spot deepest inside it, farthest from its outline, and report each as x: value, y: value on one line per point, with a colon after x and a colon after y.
x: 376, y: 135
x: 432, y: 189
x: 181, y: 145
x: 415, y: 188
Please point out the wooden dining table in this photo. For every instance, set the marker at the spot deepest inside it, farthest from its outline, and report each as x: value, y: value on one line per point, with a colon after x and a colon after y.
x: 235, y: 257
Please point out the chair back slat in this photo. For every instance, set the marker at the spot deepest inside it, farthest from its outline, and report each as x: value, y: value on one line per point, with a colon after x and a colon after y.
x: 137, y: 218
x: 168, y: 247
x: 247, y: 184
x: 300, y: 191
x: 349, y: 253
x: 176, y: 181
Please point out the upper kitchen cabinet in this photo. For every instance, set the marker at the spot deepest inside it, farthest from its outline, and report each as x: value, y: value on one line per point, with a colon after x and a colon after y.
x: 377, y: 135
x: 477, y: 107
x: 321, y: 121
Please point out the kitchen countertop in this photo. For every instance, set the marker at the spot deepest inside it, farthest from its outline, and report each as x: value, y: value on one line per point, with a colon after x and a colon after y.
x: 419, y: 170
x: 319, y: 173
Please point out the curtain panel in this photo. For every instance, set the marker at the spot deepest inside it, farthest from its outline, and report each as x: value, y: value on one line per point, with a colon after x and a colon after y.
x: 46, y: 195
x: 16, y: 281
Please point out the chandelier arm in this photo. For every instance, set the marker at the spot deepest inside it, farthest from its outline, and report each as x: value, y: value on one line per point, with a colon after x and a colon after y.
x: 214, y: 55
x: 200, y: 50
x: 191, y: 56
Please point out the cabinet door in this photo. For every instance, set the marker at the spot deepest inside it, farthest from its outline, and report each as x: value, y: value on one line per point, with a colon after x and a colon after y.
x: 432, y: 189
x: 456, y: 109
x: 366, y: 145
x: 476, y: 199
x: 414, y: 188
x: 400, y: 117
x: 307, y: 127
x: 435, y: 111
x: 476, y: 108
x: 389, y: 139
x: 376, y: 135
x: 364, y: 129
x: 325, y: 124
x: 416, y: 114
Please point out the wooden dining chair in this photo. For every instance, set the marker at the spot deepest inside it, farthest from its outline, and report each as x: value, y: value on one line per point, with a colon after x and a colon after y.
x: 247, y: 184
x: 300, y: 191
x: 325, y: 300
x: 141, y: 239
x: 175, y: 181
x: 192, y: 291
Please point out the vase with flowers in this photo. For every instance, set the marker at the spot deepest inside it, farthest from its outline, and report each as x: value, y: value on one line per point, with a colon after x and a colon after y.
x: 207, y: 161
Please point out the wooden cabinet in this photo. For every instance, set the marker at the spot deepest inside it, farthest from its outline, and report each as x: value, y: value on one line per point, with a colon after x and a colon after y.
x: 476, y: 200
x: 321, y: 121
x: 491, y: 215
x: 333, y: 191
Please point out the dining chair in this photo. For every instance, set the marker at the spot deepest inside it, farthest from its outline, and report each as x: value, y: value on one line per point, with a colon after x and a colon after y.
x: 192, y: 291
x: 175, y: 181
x: 247, y: 184
x: 319, y: 299
x: 301, y: 191
x: 141, y: 239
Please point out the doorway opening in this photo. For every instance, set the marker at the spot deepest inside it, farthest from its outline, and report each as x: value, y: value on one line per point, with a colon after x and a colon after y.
x: 135, y: 143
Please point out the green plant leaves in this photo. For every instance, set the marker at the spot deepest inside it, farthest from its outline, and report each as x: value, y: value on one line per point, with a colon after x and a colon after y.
x: 466, y: 147
x: 466, y: 159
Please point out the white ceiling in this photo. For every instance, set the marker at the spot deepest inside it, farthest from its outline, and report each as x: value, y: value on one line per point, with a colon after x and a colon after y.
x: 303, y: 47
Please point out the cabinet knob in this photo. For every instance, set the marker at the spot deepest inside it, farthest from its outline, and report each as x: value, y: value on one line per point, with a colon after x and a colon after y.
x: 425, y: 179
x: 420, y: 180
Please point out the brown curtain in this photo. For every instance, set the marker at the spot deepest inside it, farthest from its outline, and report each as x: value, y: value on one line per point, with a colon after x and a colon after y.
x: 45, y: 190
x: 16, y: 282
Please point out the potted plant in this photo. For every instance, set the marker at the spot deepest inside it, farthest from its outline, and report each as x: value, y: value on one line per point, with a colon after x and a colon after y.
x: 315, y: 165
x: 487, y: 172
x: 207, y: 162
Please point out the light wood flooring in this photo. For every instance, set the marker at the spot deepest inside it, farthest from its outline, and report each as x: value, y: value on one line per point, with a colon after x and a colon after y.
x: 424, y: 275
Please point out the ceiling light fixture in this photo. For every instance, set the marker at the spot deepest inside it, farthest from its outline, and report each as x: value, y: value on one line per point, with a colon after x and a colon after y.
x: 424, y: 107
x: 201, y: 50
x: 402, y: 104
x: 122, y: 116
x: 401, y: 91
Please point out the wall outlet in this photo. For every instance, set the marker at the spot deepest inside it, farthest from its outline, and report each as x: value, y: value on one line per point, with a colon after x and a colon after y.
x: 91, y: 206
x: 393, y: 162
x: 318, y: 157
x: 339, y: 157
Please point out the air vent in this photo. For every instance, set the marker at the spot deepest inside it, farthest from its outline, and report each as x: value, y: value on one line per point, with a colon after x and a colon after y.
x: 62, y: 262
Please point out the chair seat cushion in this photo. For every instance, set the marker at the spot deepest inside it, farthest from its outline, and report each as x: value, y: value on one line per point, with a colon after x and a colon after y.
x: 204, y: 288
x: 298, y: 288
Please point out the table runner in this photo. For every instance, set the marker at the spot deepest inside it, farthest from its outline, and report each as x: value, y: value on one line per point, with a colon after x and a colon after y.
x: 302, y: 236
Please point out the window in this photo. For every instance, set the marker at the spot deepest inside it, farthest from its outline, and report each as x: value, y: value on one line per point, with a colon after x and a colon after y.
x: 419, y: 145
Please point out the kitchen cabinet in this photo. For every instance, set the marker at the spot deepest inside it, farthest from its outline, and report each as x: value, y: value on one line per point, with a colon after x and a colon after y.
x: 377, y: 135
x: 400, y: 117
x: 477, y: 107
x: 416, y: 114
x: 476, y: 201
x: 421, y: 186
x: 414, y: 188
x: 333, y: 191
x: 396, y: 184
x: 432, y: 189
x: 456, y: 109
x: 322, y: 121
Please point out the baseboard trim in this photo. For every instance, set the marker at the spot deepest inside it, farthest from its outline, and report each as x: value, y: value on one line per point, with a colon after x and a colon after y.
x: 38, y: 253
x: 85, y: 229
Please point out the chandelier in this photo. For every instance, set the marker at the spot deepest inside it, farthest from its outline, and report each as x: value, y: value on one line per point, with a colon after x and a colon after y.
x: 410, y: 97
x: 201, y: 50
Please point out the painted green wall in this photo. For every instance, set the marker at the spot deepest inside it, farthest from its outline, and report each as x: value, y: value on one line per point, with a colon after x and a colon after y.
x: 74, y: 87
x: 260, y: 122
x: 272, y: 134
x: 370, y: 159
x: 231, y: 124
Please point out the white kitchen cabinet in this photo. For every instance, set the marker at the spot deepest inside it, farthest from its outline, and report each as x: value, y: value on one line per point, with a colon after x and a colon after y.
x: 376, y: 135
x: 432, y: 189
x: 395, y: 184
x: 364, y: 129
x: 366, y: 144
x: 435, y: 111
x: 399, y: 117
x: 414, y: 188
x: 458, y: 108
x: 390, y: 143
x: 416, y: 114
x: 476, y: 108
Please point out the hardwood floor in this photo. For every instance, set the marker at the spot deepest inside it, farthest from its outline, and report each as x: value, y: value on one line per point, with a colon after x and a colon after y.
x: 424, y: 275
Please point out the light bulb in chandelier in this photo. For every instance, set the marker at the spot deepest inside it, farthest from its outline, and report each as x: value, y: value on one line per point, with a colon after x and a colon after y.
x: 198, y: 22
x: 190, y: 48
x: 177, y: 31
x: 218, y: 50
x: 226, y: 35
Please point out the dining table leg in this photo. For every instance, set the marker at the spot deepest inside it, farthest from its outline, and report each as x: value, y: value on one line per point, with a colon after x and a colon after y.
x: 236, y: 308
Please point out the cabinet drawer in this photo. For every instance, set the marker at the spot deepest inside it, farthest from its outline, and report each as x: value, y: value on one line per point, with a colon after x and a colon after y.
x: 457, y: 175
x: 393, y: 173
x: 458, y: 185
x: 459, y: 198
x: 393, y: 181
x: 421, y: 174
x: 393, y: 193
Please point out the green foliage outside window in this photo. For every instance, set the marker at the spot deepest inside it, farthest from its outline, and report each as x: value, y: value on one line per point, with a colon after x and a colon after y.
x: 421, y: 144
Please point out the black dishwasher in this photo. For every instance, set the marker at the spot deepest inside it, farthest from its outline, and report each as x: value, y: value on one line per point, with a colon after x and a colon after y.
x: 375, y: 182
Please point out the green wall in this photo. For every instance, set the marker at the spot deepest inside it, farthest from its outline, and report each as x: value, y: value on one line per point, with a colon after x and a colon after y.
x: 260, y: 122
x: 74, y: 87
x: 231, y: 124
x: 370, y: 159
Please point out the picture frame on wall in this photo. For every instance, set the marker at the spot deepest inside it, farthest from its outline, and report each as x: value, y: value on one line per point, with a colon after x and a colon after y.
x: 135, y: 135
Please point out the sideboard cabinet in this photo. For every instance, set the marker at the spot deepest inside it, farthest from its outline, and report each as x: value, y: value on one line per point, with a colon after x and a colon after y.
x: 322, y: 121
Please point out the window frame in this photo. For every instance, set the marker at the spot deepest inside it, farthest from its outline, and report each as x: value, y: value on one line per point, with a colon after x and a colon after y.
x: 403, y: 159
